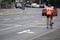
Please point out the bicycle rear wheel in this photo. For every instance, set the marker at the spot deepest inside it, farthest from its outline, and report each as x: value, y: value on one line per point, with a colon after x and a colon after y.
x: 51, y: 25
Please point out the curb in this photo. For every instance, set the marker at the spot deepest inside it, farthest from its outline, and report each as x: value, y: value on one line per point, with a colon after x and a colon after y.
x: 1, y: 14
x: 44, y: 34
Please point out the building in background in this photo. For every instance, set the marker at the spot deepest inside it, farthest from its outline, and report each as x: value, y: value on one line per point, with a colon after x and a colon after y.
x: 7, y: 3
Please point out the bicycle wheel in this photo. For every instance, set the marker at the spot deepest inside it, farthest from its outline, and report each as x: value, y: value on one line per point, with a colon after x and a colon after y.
x: 51, y: 24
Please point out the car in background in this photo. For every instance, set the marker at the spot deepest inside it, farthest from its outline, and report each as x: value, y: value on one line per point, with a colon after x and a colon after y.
x: 28, y: 5
x: 18, y: 5
x: 42, y: 5
x: 35, y: 5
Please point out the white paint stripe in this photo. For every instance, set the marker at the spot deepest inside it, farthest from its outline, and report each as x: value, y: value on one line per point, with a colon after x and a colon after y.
x: 41, y: 23
x: 10, y: 27
x: 54, y: 18
x: 7, y: 24
x: 25, y: 31
x: 31, y: 16
x: 44, y: 34
x: 7, y: 19
x: 30, y: 32
x: 42, y: 19
x: 17, y: 18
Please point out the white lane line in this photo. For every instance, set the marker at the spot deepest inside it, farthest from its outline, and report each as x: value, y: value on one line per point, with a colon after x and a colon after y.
x: 54, y: 17
x: 7, y: 19
x: 35, y: 21
x: 8, y: 24
x: 10, y: 27
x: 41, y: 23
x: 25, y: 17
x: 43, y: 19
x: 17, y: 18
x: 25, y: 31
x: 44, y: 34
x: 31, y: 16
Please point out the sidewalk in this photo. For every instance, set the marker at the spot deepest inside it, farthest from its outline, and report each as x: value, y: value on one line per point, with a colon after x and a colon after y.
x: 55, y: 35
x: 10, y: 11
x: 17, y: 11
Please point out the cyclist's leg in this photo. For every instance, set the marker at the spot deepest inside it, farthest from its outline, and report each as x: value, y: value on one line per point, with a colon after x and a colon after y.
x: 51, y: 19
x: 47, y: 20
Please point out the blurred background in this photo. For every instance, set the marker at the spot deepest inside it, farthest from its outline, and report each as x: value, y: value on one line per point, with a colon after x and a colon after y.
x: 11, y: 3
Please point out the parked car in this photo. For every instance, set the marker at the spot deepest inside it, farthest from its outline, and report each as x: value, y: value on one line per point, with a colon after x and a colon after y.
x: 18, y: 5
x: 42, y: 5
x: 35, y: 5
x: 28, y: 5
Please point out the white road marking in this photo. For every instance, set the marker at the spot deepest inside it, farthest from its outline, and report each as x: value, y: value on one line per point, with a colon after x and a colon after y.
x: 36, y: 21
x: 17, y: 25
x: 17, y: 18
x: 7, y: 19
x: 10, y: 27
x: 31, y: 16
x: 8, y: 24
x: 54, y: 17
x: 25, y: 17
x: 41, y: 23
x: 25, y: 31
x: 42, y: 19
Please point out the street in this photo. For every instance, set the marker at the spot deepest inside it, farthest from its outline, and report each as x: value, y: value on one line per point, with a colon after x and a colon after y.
x: 25, y: 26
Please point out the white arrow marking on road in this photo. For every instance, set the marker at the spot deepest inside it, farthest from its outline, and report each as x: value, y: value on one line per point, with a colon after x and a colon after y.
x: 25, y: 31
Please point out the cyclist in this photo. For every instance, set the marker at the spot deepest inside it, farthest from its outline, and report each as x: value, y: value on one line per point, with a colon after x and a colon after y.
x: 49, y: 14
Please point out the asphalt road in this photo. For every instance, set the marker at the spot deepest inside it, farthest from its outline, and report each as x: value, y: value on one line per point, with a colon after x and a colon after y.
x: 25, y: 26
x: 55, y: 35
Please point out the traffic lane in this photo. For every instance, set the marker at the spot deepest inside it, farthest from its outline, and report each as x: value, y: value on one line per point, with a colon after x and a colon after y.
x: 14, y: 22
x: 4, y: 19
x: 29, y: 23
x: 10, y: 21
x: 35, y: 22
x: 25, y: 34
x: 19, y: 11
x: 56, y: 20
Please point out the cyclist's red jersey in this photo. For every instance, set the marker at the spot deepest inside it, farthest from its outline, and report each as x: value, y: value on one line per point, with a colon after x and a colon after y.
x: 49, y: 10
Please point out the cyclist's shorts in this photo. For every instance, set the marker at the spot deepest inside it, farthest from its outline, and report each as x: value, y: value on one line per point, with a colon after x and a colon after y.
x: 49, y: 16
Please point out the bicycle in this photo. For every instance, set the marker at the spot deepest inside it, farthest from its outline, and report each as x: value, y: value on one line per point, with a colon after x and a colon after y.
x: 51, y: 24
x: 49, y: 21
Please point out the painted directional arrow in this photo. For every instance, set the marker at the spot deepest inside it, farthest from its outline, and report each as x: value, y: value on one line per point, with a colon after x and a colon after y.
x: 25, y: 31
